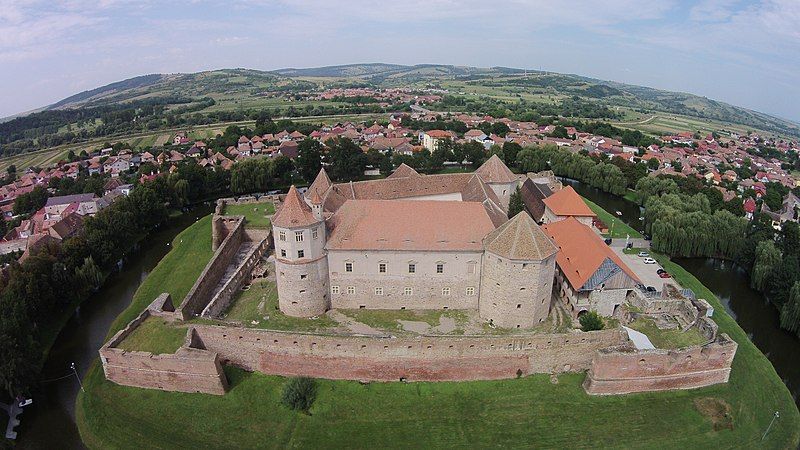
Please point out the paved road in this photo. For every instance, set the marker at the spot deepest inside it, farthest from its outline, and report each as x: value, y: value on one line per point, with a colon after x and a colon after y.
x: 637, y: 243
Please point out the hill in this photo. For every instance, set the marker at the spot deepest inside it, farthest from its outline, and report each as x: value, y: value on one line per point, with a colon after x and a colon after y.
x: 160, y: 101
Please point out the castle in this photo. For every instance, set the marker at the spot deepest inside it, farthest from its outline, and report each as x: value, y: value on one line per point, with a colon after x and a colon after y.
x: 414, y: 241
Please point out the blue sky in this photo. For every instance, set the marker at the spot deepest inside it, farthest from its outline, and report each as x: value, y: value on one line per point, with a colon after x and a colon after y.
x: 743, y: 52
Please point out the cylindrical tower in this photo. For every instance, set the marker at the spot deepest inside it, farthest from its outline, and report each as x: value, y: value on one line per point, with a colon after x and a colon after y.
x: 301, y: 264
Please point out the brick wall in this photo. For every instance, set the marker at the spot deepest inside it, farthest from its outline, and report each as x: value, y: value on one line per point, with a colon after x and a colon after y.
x: 223, y: 298
x: 623, y: 370
x: 415, y: 359
x: 187, y: 370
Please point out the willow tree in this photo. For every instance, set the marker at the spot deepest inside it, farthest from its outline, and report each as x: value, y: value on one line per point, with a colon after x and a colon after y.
x: 790, y: 312
x: 768, y: 257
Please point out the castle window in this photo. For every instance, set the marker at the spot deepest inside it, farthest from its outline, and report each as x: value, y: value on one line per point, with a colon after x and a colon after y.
x: 378, y: 291
x: 334, y: 289
x: 470, y: 291
x: 351, y: 290
x: 445, y: 291
x: 471, y: 267
x: 412, y: 268
x: 348, y: 267
x: 283, y: 253
x: 439, y: 267
x: 382, y: 267
x: 408, y: 291
x: 298, y: 236
x: 315, y: 234
x: 301, y: 254
x: 282, y: 235
x: 303, y: 276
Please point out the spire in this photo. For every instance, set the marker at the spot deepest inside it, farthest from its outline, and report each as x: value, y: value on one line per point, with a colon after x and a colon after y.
x: 320, y: 185
x: 294, y: 212
x: 494, y: 170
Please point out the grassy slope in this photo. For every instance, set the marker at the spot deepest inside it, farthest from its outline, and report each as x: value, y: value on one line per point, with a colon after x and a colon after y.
x: 621, y: 229
x: 176, y: 273
x: 515, y: 413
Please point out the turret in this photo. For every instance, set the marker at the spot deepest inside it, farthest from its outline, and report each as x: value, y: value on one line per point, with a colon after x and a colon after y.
x: 301, y: 264
x: 500, y: 178
x: 517, y: 276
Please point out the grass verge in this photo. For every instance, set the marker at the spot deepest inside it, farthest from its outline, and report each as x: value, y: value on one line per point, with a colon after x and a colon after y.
x: 667, y: 338
x: 620, y: 228
x: 253, y: 212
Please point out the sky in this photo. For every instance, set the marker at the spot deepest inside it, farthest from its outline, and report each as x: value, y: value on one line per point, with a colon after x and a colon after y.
x: 746, y: 53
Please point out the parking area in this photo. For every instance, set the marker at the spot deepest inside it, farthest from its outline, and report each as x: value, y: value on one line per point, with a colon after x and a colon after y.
x: 646, y: 272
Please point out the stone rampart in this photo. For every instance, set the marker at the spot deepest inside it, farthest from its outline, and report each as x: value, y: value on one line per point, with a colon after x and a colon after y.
x: 625, y: 370
x: 189, y: 369
x: 222, y: 299
x: 371, y: 358
x: 203, y: 290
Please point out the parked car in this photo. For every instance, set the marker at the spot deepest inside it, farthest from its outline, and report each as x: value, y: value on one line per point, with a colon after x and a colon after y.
x: 649, y: 261
x: 664, y: 275
x: 660, y: 271
x: 643, y: 254
x: 608, y: 241
x: 650, y: 289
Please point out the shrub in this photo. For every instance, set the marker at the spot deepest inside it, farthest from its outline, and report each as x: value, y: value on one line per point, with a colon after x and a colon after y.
x: 299, y: 393
x: 591, y: 321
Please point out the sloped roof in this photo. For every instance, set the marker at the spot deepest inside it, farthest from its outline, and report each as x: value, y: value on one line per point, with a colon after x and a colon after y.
x: 404, y: 170
x: 294, y: 212
x: 520, y: 239
x: 320, y: 185
x: 567, y: 202
x: 384, y: 225
x: 583, y: 256
x: 495, y: 170
x: 533, y: 194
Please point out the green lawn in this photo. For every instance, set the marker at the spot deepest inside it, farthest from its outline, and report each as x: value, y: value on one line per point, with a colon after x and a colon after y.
x: 254, y: 213
x: 176, y: 273
x: 258, y: 307
x: 154, y: 335
x: 388, y: 319
x: 667, y: 338
x: 620, y: 230
x: 526, y: 412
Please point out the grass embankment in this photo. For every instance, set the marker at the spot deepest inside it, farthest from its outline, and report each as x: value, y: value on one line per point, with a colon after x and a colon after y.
x: 526, y: 412
x: 175, y: 273
x: 258, y: 307
x: 154, y: 335
x: 620, y: 229
x: 254, y: 213
x: 674, y: 338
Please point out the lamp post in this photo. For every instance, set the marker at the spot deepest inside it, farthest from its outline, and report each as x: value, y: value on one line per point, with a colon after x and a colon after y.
x: 775, y: 416
x: 75, y: 371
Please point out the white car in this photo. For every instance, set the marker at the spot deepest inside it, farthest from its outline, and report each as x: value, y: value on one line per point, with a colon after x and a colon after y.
x: 643, y: 254
x: 649, y: 261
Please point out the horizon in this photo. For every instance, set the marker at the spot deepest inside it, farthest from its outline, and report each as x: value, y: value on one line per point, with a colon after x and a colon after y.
x: 719, y: 49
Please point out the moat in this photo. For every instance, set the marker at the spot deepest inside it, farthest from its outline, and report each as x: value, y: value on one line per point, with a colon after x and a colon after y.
x: 50, y: 423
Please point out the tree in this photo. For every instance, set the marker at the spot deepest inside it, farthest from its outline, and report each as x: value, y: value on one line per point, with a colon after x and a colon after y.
x: 345, y: 159
x: 785, y: 275
x: 515, y: 204
x: 790, y: 312
x: 90, y: 274
x: 31, y: 202
x: 510, y: 151
x: 591, y: 321
x: 299, y: 393
x: 652, y: 164
x: 767, y: 259
x: 309, y: 158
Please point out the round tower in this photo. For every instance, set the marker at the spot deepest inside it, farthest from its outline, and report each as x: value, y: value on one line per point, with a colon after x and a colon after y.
x: 301, y: 264
x: 517, y: 275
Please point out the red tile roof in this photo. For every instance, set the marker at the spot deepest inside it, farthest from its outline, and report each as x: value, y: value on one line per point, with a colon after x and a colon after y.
x: 567, y: 202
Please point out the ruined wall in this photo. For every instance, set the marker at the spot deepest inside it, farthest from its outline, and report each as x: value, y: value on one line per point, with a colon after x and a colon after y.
x: 187, y: 370
x: 624, y: 370
x: 223, y: 298
x: 200, y: 294
x: 415, y: 359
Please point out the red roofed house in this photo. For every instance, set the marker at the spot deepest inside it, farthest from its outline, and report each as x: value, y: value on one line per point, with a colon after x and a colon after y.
x: 567, y: 203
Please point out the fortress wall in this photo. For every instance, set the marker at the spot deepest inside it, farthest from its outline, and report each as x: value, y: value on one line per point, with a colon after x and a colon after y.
x: 622, y: 371
x: 200, y: 294
x: 223, y: 299
x: 187, y: 370
x: 372, y: 358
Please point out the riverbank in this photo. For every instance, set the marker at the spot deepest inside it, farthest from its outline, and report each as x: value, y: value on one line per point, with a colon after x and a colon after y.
x: 475, y: 414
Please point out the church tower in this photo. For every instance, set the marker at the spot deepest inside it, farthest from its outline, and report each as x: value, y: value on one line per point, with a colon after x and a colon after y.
x: 301, y: 264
